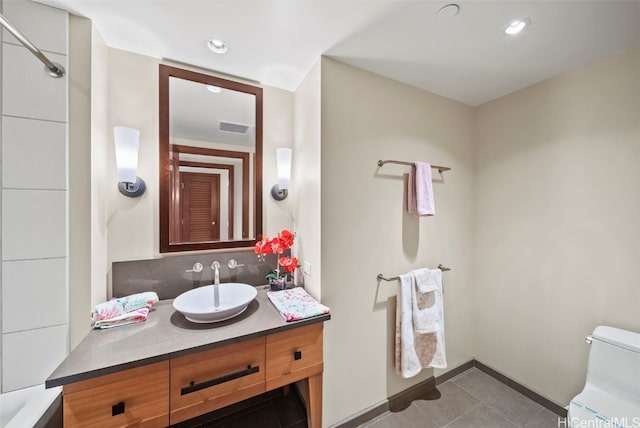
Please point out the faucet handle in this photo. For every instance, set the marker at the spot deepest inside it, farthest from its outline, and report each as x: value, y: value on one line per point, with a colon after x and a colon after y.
x: 197, y: 268
x: 215, y: 265
x: 233, y: 264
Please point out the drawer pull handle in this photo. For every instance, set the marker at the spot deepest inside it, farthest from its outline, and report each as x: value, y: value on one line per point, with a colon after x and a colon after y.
x: 117, y: 409
x: 297, y: 355
x: 217, y: 381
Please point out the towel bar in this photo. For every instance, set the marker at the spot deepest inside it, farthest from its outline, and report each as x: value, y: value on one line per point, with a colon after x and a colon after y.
x: 395, y: 278
x: 440, y: 169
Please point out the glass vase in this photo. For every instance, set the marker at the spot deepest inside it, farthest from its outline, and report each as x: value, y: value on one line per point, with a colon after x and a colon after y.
x: 277, y: 284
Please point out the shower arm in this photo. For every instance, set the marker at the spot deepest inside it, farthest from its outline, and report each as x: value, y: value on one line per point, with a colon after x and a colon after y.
x: 53, y: 69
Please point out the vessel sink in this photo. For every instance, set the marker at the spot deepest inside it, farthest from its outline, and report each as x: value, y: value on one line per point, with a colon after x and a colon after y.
x: 197, y: 305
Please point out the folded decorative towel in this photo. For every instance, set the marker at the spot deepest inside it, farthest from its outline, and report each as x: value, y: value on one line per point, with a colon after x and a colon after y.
x: 414, y: 351
x: 296, y: 304
x: 118, y: 307
x: 427, y: 279
x: 130, y: 317
x: 420, y: 191
x: 426, y: 300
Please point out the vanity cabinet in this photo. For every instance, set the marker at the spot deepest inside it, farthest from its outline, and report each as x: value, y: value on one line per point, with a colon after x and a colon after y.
x: 210, y: 380
x: 293, y: 355
x: 135, y: 397
x: 183, y: 387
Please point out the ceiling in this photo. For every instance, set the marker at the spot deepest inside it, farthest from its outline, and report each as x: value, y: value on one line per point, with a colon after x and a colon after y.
x: 467, y: 58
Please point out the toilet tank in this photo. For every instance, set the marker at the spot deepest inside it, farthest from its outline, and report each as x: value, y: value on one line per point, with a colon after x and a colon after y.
x: 614, y: 362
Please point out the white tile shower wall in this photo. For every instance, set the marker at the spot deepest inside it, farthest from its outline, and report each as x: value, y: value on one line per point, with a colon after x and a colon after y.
x: 27, y: 90
x: 34, y: 198
x: 27, y: 162
x: 33, y: 224
x: 46, y: 27
x: 1, y: 66
x: 40, y: 286
x: 29, y: 357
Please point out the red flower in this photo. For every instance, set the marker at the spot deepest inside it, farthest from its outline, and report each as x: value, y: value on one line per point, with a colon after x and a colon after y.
x: 288, y: 264
x: 277, y: 246
x: 263, y: 247
x: 287, y: 238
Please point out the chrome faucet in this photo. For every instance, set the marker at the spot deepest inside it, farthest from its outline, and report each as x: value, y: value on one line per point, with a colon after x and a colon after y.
x: 216, y: 283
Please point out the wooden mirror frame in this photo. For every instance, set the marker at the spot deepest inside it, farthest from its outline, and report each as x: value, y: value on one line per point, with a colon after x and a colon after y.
x: 164, y: 161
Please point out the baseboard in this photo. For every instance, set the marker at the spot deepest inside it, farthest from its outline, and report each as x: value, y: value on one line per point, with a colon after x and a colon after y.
x: 533, y: 396
x: 427, y: 388
x: 454, y: 372
x: 363, y: 416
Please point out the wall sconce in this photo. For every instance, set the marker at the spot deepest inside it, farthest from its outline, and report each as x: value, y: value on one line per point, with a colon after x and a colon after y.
x: 127, y: 142
x: 280, y: 191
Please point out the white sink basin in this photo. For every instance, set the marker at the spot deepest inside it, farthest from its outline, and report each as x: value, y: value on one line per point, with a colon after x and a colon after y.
x: 197, y: 305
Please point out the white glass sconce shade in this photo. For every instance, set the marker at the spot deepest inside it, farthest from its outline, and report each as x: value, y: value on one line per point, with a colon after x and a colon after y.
x: 284, y: 168
x: 283, y: 159
x: 127, y: 143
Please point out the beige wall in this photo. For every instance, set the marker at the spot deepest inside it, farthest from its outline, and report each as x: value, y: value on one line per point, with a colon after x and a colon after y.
x: 305, y: 187
x: 132, y: 224
x: 99, y: 167
x: 87, y: 153
x: 540, y: 227
x: 557, y: 232
x: 365, y: 231
x: 79, y: 170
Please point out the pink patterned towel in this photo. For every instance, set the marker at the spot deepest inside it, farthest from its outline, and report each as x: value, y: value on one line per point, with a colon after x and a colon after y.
x: 296, y: 304
x: 123, y: 310
x: 129, y: 318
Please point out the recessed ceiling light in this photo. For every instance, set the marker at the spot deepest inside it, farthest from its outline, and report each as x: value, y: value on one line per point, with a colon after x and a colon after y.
x: 217, y: 46
x: 516, y: 27
x: 214, y: 89
x: 449, y: 11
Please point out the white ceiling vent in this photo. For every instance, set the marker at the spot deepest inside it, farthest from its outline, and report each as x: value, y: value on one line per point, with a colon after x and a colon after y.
x: 236, y: 128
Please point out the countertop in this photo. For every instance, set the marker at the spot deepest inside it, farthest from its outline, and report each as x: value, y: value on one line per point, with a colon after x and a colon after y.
x: 166, y: 334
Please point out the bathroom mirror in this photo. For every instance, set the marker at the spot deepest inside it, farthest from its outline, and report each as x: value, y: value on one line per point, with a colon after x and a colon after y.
x: 210, y: 162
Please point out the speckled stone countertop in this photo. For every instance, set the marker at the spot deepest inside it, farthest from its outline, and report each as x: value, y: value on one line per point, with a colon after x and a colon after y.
x: 166, y: 334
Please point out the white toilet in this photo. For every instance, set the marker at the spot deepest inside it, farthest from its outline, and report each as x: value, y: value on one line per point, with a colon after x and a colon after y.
x: 611, y: 394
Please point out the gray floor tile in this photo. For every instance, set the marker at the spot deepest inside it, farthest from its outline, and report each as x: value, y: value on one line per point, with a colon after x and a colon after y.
x: 481, y: 416
x: 472, y: 399
x: 453, y: 403
x: 506, y: 401
x: 409, y: 418
x: 545, y: 419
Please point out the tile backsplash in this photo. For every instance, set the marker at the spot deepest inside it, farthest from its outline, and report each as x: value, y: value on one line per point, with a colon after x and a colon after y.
x: 168, y: 276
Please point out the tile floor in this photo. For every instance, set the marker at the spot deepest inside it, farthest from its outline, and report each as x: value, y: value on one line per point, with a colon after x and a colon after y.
x: 472, y: 399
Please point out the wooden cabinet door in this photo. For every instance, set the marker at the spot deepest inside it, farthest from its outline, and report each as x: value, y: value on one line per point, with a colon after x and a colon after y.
x: 200, y: 197
x: 137, y: 397
x: 294, y: 355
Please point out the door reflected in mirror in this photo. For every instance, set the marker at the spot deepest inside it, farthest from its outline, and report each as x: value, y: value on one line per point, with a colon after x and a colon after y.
x: 210, y: 162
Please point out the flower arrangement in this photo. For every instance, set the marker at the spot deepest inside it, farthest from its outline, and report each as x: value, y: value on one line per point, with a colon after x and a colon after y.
x: 277, y: 246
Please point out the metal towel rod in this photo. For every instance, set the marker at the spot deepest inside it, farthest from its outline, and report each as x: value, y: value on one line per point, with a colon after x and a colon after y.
x: 440, y: 169
x: 396, y: 278
x: 53, y: 69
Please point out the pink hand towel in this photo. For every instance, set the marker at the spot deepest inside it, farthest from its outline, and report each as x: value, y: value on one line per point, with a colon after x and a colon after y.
x: 420, y: 192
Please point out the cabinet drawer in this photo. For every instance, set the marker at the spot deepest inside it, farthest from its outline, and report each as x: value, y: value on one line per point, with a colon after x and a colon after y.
x: 137, y: 397
x: 210, y: 380
x: 293, y: 355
